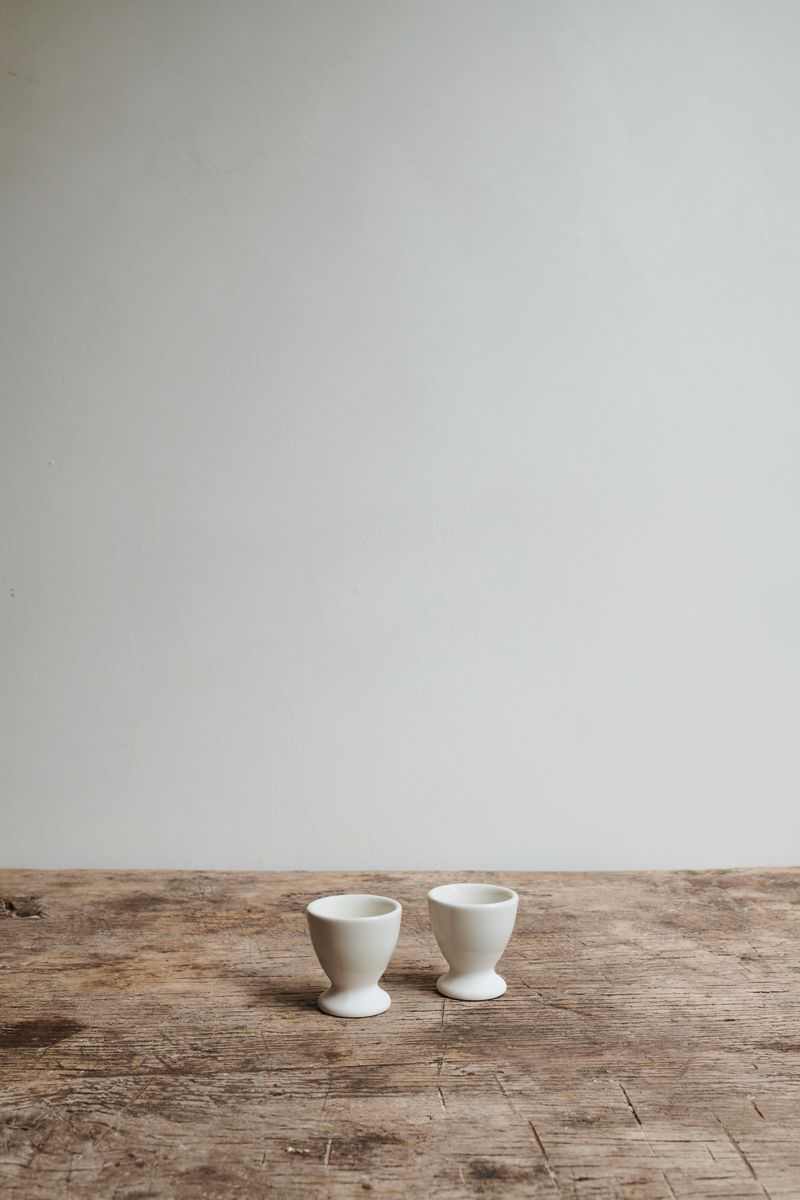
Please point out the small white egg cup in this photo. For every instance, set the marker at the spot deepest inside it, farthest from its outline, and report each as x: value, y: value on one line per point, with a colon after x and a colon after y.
x: 472, y: 923
x: 354, y: 938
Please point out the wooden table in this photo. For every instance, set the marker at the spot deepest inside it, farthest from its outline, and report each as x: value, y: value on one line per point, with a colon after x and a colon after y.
x: 160, y: 1038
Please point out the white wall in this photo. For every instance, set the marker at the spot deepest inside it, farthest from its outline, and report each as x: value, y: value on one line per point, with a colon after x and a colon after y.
x: 400, y: 451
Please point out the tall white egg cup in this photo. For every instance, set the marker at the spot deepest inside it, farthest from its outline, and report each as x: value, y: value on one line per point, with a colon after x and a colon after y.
x: 354, y: 938
x: 472, y: 923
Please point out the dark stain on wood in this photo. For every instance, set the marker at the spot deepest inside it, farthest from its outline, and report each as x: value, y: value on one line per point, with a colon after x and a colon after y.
x: 366, y: 1143
x: 42, y: 1031
x: 21, y: 906
x: 483, y: 1169
x: 136, y: 903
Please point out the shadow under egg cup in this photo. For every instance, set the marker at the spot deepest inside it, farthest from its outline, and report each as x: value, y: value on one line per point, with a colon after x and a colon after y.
x: 354, y: 938
x: 472, y: 923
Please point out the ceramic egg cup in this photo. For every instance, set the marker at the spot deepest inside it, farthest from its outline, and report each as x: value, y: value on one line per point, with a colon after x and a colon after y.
x: 472, y: 923
x: 354, y: 938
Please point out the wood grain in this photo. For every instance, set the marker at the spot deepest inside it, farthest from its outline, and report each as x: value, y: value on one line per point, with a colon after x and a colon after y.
x: 159, y: 1037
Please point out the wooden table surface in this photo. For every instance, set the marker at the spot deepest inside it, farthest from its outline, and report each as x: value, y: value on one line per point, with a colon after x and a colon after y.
x: 159, y: 1038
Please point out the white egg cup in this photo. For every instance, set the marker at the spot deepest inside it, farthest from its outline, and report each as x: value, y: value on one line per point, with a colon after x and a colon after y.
x: 472, y: 923
x: 354, y: 938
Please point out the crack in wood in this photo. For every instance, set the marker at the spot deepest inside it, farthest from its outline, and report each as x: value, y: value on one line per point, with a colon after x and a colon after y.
x: 551, y: 1171
x: 443, y: 1042
x: 113, y: 1126
x: 751, y: 1169
x: 560, y: 1005
x: 631, y: 1106
x: 638, y: 1120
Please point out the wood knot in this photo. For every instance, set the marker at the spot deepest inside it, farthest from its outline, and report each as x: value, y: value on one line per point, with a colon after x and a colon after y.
x: 21, y: 906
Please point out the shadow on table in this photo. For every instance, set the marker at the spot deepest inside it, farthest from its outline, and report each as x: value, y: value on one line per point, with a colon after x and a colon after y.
x: 301, y: 996
x: 412, y: 979
x: 274, y: 993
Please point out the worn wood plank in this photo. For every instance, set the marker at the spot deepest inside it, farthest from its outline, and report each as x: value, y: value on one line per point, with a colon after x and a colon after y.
x: 159, y: 1037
